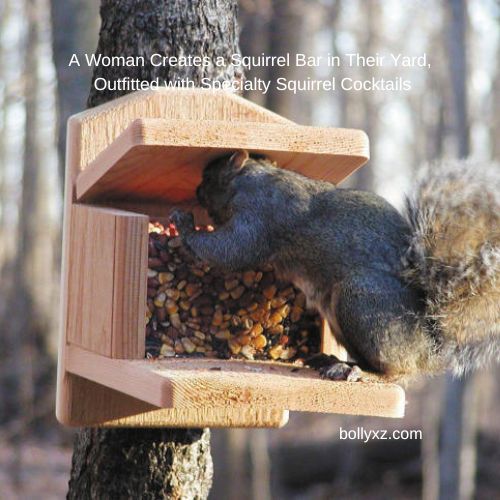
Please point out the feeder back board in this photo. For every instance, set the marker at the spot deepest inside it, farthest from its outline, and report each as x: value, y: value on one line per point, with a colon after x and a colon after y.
x: 130, y: 160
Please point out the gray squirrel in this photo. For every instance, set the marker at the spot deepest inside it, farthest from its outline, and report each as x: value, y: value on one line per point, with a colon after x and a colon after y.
x: 405, y: 295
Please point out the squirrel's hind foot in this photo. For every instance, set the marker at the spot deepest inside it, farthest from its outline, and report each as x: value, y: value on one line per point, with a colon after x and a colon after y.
x: 332, y: 368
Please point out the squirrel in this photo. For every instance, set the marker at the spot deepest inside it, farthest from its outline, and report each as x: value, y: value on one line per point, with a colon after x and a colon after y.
x: 405, y: 295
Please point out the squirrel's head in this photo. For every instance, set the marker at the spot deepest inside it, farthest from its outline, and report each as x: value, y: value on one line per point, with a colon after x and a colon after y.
x: 215, y: 191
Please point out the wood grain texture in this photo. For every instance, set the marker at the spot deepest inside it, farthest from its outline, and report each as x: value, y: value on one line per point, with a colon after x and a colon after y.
x: 97, y: 405
x: 329, y: 344
x: 188, y: 384
x: 107, y: 281
x: 130, y: 286
x: 101, y: 125
x: 205, y: 416
x: 90, y: 275
x: 163, y: 159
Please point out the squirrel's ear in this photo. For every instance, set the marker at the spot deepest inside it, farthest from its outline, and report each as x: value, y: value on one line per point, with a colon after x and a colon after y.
x: 239, y: 159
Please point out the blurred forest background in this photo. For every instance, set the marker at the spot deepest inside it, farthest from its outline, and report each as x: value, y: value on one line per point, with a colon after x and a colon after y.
x: 453, y: 110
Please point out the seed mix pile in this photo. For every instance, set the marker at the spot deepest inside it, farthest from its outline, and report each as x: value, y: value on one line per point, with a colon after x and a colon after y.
x: 197, y: 310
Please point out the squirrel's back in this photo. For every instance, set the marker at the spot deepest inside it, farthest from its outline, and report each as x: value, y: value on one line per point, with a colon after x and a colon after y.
x: 454, y: 256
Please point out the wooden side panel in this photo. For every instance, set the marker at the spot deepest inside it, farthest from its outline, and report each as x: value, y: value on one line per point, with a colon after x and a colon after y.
x: 130, y: 281
x: 107, y: 282
x: 90, y: 280
x: 67, y: 394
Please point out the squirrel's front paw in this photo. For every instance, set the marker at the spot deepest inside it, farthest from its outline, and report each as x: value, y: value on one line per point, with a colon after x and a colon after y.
x: 332, y: 368
x: 184, y: 221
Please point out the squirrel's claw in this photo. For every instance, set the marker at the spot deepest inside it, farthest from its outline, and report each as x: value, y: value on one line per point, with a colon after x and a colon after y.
x: 332, y: 368
x: 341, y: 371
x: 184, y: 221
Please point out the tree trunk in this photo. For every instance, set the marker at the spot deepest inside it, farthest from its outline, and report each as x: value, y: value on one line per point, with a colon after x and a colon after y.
x: 429, y: 449
x: 204, y: 28
x: 141, y: 463
x: 365, y: 177
x: 20, y: 318
x: 495, y: 115
x: 154, y: 463
x: 4, y: 17
x: 255, y: 17
x: 458, y: 438
x: 75, y: 25
x: 458, y: 435
x: 457, y: 29
x: 288, y: 22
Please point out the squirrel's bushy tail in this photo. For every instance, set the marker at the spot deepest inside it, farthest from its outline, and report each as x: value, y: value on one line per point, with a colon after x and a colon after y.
x: 454, y: 257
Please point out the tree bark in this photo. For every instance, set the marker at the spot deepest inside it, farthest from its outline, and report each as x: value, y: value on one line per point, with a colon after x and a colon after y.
x: 141, y: 463
x: 204, y: 28
x: 154, y: 463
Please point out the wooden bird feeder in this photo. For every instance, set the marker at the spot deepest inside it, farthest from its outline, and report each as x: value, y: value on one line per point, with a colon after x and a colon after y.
x: 132, y: 159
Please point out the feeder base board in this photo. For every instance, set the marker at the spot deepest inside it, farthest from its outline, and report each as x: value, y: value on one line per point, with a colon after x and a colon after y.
x: 220, y: 393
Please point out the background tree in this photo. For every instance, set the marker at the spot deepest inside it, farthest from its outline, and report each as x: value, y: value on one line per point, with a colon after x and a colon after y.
x: 458, y: 436
x: 81, y: 21
x: 154, y: 463
x: 27, y: 235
